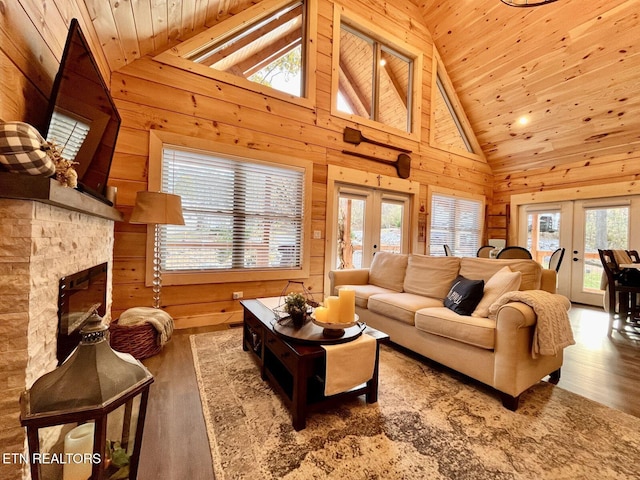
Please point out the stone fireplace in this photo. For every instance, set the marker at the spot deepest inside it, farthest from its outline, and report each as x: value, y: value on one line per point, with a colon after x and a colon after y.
x: 40, y: 242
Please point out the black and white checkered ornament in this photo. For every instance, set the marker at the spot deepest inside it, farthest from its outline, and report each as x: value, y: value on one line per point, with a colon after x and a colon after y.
x: 23, y: 150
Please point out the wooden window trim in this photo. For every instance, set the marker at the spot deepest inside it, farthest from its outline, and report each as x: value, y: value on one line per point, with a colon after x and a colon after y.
x: 342, y: 14
x: 174, y: 56
x: 156, y: 142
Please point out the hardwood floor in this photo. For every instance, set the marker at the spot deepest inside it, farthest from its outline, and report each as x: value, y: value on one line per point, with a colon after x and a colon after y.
x: 175, y: 444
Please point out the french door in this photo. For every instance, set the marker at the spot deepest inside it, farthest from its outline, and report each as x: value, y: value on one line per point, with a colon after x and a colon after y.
x: 369, y: 220
x: 581, y: 227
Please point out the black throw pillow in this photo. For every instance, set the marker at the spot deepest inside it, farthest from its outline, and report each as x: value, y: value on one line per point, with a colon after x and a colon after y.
x: 464, y: 295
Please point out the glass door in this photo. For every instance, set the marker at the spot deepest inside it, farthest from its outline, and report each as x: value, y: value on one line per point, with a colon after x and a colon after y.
x: 369, y: 220
x: 581, y: 227
x: 599, y: 225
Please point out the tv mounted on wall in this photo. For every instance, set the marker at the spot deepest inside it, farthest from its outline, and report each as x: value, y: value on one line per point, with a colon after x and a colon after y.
x: 82, y: 118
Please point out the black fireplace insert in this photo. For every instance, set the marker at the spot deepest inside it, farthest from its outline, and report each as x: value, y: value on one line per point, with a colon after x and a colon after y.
x: 79, y: 295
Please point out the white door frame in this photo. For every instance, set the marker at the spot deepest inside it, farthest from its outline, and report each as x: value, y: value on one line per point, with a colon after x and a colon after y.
x: 610, y: 190
x: 343, y: 175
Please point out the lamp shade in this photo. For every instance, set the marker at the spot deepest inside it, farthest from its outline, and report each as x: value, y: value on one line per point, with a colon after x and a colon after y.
x: 157, y: 208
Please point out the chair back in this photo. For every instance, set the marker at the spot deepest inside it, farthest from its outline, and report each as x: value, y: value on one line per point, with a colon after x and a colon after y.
x: 612, y: 272
x: 447, y: 251
x: 633, y: 255
x: 556, y: 259
x: 514, y: 252
x: 485, y: 251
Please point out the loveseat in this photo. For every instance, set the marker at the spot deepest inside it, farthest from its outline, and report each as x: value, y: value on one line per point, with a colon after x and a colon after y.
x: 405, y: 296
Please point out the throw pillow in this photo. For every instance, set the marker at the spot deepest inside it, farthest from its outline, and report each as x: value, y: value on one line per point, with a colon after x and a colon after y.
x: 23, y: 150
x: 464, y: 295
x: 503, y: 281
x: 387, y: 270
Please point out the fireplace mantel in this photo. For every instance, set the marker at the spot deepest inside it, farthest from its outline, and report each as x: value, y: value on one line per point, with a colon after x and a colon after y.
x: 49, y: 190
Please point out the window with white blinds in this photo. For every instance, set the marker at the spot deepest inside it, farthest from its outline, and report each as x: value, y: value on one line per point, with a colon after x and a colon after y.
x: 456, y: 222
x: 69, y: 132
x: 239, y: 214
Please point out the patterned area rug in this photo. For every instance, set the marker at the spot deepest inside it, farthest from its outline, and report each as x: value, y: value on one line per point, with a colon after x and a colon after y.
x: 427, y: 424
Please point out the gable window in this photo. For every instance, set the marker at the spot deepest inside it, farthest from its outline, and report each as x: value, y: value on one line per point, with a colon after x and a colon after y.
x: 243, y: 216
x: 450, y: 129
x: 268, y: 48
x: 377, y: 78
x: 456, y: 222
x: 267, y: 51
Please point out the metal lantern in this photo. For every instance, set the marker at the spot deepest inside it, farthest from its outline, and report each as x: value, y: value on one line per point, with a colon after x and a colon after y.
x: 85, y: 418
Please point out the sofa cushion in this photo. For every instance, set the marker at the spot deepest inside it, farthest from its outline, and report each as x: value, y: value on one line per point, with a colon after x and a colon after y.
x: 464, y: 295
x: 431, y: 276
x: 363, y: 292
x: 484, y: 268
x: 503, y: 281
x: 400, y: 306
x: 388, y: 270
x: 441, y: 321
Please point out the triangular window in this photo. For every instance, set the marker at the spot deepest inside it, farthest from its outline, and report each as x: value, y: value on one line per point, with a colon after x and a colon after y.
x: 265, y: 45
x: 450, y: 129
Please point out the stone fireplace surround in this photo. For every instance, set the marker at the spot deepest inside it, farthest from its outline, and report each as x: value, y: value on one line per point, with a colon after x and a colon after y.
x: 40, y: 242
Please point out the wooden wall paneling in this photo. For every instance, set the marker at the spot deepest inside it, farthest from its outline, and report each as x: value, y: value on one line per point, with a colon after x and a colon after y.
x: 22, y: 43
x: 104, y: 25
x: 29, y: 106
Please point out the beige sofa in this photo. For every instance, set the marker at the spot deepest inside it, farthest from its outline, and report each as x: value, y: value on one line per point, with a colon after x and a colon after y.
x: 403, y: 295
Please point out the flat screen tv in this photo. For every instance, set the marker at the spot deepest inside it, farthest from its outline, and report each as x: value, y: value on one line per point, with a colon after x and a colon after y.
x: 82, y: 118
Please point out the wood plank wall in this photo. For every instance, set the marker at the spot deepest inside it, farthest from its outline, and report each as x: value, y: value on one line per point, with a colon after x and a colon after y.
x: 151, y: 95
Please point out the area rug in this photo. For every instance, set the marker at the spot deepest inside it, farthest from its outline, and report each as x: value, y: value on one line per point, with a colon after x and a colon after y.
x: 428, y: 423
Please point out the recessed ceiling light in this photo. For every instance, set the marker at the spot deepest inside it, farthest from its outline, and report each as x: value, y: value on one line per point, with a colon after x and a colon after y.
x: 383, y: 62
x: 523, y: 120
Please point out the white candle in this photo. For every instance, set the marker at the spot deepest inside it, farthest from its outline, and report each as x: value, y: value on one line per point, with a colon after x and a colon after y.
x: 347, y: 305
x: 78, y: 445
x: 333, y: 305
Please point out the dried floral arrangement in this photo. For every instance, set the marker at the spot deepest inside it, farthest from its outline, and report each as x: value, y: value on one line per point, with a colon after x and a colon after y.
x: 65, y: 173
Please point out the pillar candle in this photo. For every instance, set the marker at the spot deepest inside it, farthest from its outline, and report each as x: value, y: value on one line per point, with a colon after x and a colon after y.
x: 321, y: 314
x: 78, y: 443
x: 333, y: 304
x: 347, y: 305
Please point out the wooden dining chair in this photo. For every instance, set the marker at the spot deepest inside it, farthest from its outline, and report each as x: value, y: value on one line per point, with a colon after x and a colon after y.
x: 622, y: 298
x: 485, y: 251
x: 514, y: 252
x: 556, y: 259
x: 633, y: 255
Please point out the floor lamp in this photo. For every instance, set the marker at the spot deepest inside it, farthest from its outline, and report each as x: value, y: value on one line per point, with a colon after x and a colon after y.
x: 157, y: 208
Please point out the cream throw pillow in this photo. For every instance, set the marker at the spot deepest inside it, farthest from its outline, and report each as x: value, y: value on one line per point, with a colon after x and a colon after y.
x: 503, y: 281
x: 387, y: 270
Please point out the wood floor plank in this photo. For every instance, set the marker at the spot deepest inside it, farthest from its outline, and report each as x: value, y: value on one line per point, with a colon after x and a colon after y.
x: 175, y: 444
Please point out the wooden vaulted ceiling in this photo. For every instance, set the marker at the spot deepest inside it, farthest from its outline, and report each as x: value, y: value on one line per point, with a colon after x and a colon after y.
x: 570, y: 67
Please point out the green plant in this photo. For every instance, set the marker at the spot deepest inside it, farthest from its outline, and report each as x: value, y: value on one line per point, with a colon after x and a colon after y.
x: 295, y: 302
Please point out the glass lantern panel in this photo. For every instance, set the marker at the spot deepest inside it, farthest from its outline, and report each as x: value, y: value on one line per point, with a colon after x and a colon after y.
x: 121, y: 435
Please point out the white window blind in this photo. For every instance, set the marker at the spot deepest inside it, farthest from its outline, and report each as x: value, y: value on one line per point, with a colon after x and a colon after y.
x: 239, y: 214
x: 456, y: 222
x: 68, y: 132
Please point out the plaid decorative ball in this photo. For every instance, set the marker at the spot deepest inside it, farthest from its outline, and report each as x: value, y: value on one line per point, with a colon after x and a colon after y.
x: 23, y: 150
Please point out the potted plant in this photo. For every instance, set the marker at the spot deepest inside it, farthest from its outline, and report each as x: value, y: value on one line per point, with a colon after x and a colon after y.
x: 295, y: 304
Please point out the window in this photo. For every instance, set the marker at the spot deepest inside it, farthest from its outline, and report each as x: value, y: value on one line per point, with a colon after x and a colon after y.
x: 69, y: 132
x: 247, y: 212
x: 267, y: 48
x: 450, y: 129
x: 239, y: 214
x: 377, y: 78
x: 456, y: 222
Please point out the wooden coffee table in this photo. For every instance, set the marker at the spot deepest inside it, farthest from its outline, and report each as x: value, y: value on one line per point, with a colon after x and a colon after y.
x: 297, y: 369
